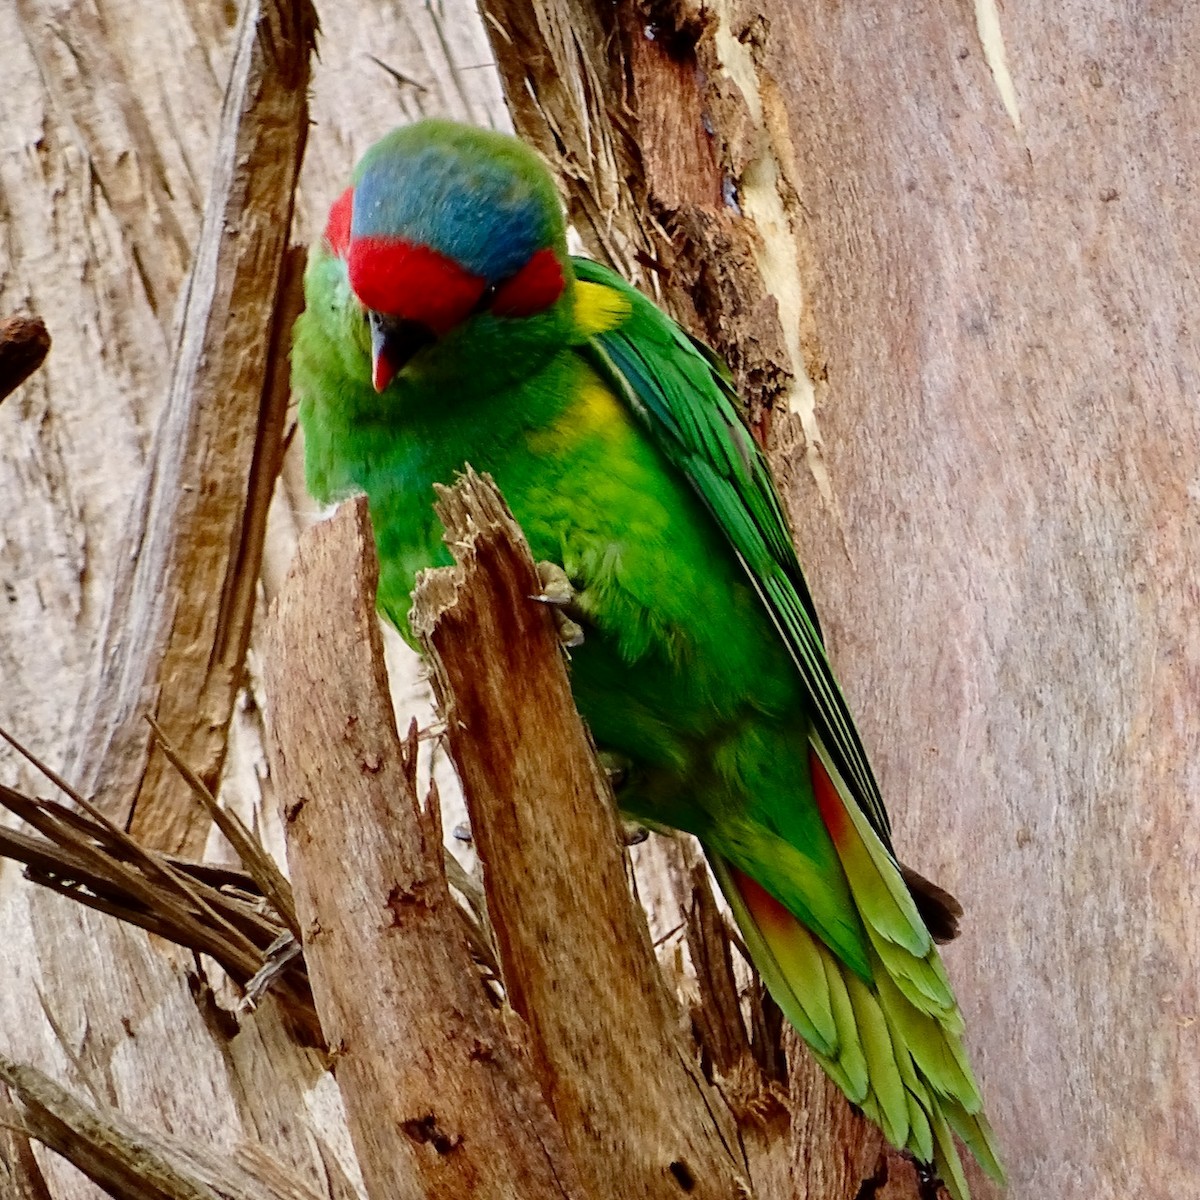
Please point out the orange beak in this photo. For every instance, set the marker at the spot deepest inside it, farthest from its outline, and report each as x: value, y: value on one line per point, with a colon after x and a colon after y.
x: 393, y: 344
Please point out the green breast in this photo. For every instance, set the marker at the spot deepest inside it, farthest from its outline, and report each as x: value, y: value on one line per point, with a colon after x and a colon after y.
x: 677, y: 657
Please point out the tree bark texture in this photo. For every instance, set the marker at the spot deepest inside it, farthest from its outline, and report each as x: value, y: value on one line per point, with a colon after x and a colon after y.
x: 440, y: 1104
x: 947, y: 252
x: 948, y: 255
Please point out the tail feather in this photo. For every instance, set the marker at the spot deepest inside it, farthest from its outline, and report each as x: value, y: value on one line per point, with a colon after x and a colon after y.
x: 922, y: 980
x: 936, y: 1050
x: 851, y: 1060
x: 976, y: 1133
x: 890, y: 1038
x: 883, y: 900
x: 887, y: 1088
x: 946, y: 1160
x: 796, y: 987
x: 920, y: 1138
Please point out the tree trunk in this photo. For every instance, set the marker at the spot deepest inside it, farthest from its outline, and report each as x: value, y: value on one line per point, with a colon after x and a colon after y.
x: 946, y: 252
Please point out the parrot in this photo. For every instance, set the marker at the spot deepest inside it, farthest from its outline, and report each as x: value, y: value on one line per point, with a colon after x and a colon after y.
x: 446, y: 324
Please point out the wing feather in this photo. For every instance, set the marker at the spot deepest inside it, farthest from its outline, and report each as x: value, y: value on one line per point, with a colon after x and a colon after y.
x: 683, y: 395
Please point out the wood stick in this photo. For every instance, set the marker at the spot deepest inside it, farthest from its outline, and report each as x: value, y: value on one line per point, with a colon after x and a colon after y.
x: 438, y: 1102
x: 576, y: 955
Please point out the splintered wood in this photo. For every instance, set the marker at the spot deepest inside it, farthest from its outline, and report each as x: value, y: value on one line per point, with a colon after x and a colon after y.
x: 603, y: 1033
x: 440, y: 1103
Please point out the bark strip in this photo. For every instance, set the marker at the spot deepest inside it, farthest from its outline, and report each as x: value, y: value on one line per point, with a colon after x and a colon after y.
x: 577, y: 961
x: 179, y: 620
x: 438, y: 1102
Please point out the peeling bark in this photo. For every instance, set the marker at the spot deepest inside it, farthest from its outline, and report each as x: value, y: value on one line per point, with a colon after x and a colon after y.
x: 439, y: 1102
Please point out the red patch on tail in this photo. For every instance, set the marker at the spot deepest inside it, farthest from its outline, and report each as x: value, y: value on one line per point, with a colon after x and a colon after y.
x: 829, y: 803
x: 767, y: 912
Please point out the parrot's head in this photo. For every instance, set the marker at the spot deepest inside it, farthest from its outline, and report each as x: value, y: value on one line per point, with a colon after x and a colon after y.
x: 453, y: 243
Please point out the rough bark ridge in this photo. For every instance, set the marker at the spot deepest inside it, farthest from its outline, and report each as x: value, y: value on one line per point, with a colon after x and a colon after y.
x: 950, y: 247
x: 578, y: 967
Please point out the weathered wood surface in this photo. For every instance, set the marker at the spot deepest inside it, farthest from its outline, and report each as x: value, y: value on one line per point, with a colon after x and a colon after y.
x: 111, y: 117
x: 604, y: 1036
x: 973, y: 224
x: 440, y: 1103
x: 178, y: 625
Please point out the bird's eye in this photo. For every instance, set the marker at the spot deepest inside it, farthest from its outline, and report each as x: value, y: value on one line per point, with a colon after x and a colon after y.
x: 485, y: 299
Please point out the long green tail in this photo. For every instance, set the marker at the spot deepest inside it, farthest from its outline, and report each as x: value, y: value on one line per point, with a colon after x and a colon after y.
x: 891, y: 1042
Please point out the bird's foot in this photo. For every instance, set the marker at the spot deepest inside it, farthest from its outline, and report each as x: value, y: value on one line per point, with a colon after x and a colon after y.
x: 633, y: 834
x: 558, y: 592
x: 616, y: 767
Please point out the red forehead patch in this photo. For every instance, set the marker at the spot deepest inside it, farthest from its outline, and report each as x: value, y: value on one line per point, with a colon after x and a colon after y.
x: 412, y: 283
x: 533, y: 288
x: 337, y: 228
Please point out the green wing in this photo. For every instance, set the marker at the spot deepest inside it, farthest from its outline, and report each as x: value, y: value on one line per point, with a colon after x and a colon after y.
x: 683, y: 395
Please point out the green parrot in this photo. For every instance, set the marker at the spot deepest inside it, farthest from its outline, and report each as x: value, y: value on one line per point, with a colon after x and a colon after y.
x: 446, y: 324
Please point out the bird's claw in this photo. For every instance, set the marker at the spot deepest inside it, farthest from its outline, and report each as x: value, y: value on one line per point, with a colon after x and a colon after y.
x: 557, y: 588
x: 558, y: 592
x: 633, y: 834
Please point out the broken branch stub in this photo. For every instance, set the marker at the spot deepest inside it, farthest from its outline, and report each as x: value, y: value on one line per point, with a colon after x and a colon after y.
x: 179, y: 618
x: 604, y: 1035
x: 439, y: 1103
x: 24, y: 344
x: 131, y: 1163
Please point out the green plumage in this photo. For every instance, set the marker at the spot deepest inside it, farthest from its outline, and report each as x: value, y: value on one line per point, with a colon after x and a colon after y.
x: 617, y: 443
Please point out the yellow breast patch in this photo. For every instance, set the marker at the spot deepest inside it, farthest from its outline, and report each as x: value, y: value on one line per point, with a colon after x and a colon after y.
x: 596, y: 412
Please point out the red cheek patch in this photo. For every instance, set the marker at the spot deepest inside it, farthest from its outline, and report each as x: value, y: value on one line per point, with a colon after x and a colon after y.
x: 412, y: 283
x: 337, y: 228
x: 533, y: 288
